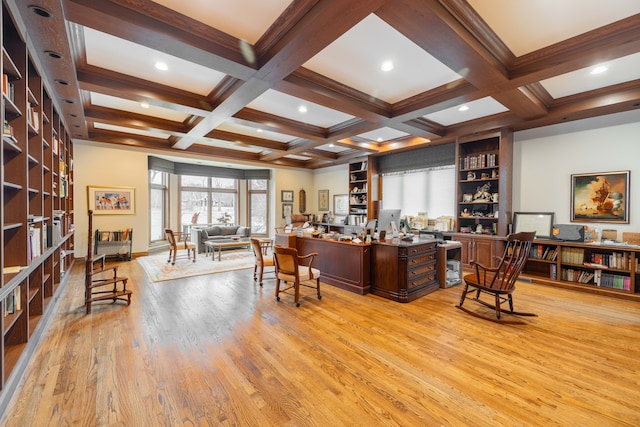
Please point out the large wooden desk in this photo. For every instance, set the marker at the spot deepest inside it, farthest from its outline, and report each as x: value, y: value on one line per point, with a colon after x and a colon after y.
x: 345, y: 265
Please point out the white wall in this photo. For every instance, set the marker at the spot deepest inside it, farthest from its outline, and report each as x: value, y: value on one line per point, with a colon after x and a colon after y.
x: 545, y: 158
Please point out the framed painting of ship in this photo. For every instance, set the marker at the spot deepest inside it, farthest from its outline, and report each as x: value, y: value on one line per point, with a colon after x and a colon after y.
x: 600, y: 197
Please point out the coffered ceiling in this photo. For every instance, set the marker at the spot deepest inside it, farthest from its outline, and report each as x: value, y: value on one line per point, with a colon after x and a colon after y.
x: 300, y: 83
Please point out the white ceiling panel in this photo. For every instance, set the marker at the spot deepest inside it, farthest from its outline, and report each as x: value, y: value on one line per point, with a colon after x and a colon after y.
x: 618, y: 71
x: 284, y: 105
x: 116, y: 54
x: 362, y: 50
x: 475, y: 109
x: 243, y: 19
x: 528, y: 25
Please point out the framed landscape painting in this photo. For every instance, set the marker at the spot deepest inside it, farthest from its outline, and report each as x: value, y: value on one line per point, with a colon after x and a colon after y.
x: 600, y: 197
x: 111, y: 200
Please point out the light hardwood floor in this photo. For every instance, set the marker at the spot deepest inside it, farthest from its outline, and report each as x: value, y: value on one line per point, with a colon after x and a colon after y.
x: 218, y: 350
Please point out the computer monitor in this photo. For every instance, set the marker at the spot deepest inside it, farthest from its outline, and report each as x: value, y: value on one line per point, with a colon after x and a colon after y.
x: 386, y: 217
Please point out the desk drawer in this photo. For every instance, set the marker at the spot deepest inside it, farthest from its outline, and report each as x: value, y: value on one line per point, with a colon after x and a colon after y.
x: 421, y: 280
x: 421, y: 269
x: 415, y: 250
x: 421, y: 259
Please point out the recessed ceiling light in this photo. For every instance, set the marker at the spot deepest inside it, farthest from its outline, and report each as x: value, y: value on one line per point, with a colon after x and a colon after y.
x: 387, y: 66
x: 144, y: 105
x: 331, y: 145
x: 379, y: 139
x: 463, y: 108
x: 302, y: 109
x: 54, y: 55
x: 40, y: 11
x: 259, y: 130
x: 599, y: 69
x: 161, y: 66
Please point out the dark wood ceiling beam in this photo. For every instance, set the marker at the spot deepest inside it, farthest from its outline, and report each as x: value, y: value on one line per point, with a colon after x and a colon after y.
x: 150, y: 24
x: 132, y: 120
x: 280, y: 124
x: 247, y: 140
x: 611, y: 100
x: 138, y: 90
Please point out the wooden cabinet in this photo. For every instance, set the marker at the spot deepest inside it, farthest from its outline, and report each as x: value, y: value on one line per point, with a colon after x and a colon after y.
x: 403, y: 271
x: 478, y: 248
x: 37, y: 206
x: 363, y: 191
x: 597, y: 268
x: 483, y: 175
x: 345, y: 265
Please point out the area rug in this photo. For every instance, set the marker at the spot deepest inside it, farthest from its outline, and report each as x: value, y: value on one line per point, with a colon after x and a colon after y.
x: 158, y: 269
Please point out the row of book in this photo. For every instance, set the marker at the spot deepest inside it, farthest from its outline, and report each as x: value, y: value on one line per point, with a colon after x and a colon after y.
x: 619, y: 260
x: 580, y: 276
x: 572, y: 255
x: 13, y: 302
x: 8, y: 89
x: 548, y: 253
x: 595, y: 277
x: 113, y: 236
x: 479, y: 161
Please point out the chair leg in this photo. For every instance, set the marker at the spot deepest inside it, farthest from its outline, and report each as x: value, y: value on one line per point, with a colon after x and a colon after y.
x: 318, y: 287
x: 277, y: 289
x: 296, y: 286
x: 261, y: 273
x: 497, y: 306
x: 510, y: 303
x: 255, y: 270
x: 464, y: 294
x: 170, y: 251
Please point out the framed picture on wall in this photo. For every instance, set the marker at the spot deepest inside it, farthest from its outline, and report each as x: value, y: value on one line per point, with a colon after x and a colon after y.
x: 600, y: 197
x: 111, y: 200
x: 323, y: 200
x: 341, y: 204
x: 287, y: 196
x: 287, y: 209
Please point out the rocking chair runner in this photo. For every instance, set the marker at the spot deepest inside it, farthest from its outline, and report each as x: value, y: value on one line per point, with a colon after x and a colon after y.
x: 500, y: 281
x: 96, y: 277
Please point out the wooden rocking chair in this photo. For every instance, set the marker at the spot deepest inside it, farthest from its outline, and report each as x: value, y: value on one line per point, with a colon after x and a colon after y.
x: 499, y: 281
x: 96, y: 277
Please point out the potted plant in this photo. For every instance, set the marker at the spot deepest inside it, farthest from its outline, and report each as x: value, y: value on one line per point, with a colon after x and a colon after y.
x: 225, y: 218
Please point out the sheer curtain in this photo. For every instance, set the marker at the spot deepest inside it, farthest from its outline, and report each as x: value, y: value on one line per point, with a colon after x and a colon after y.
x: 429, y: 190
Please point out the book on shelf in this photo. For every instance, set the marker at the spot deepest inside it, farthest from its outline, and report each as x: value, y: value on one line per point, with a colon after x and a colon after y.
x: 13, y: 302
x: 8, y: 89
x: 12, y: 269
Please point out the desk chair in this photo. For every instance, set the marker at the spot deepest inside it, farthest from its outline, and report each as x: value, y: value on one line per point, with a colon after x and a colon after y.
x: 289, y: 270
x: 261, y: 260
x: 500, y: 281
x: 178, y: 241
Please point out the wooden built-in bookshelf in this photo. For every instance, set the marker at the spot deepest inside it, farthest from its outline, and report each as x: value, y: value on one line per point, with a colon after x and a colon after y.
x: 37, y: 219
x: 608, y: 269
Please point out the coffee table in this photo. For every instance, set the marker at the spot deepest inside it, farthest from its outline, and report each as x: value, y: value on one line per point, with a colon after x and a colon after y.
x: 212, y: 245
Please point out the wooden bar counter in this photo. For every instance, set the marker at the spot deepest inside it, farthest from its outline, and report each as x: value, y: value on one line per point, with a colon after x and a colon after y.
x: 345, y: 265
